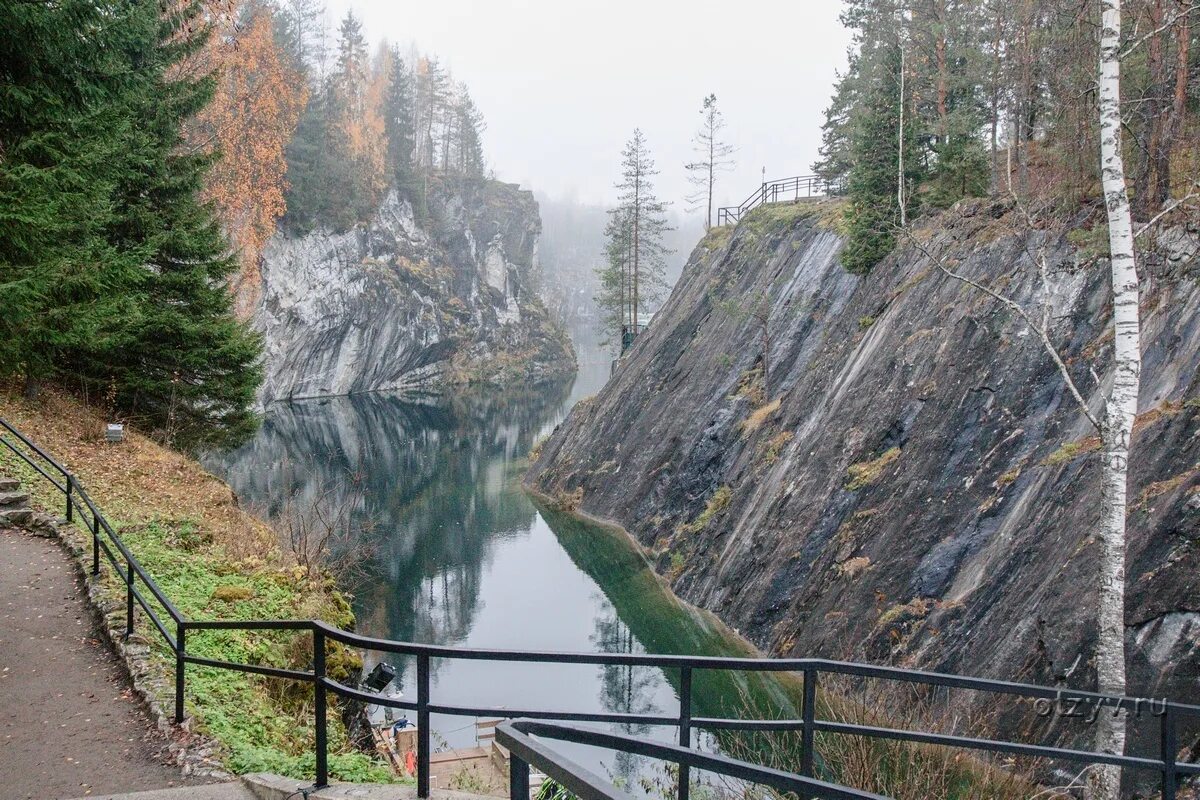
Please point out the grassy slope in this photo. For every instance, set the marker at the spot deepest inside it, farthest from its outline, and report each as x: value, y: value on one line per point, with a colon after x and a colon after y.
x: 214, y: 561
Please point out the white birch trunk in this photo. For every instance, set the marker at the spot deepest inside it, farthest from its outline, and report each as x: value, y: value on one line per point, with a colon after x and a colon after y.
x: 1121, y: 409
x: 900, y: 143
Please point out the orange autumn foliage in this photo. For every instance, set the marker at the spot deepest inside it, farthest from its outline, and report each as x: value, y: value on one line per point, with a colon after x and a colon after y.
x: 253, y: 113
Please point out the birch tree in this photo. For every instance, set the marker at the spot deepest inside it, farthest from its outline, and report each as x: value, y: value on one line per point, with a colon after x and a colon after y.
x: 1115, y: 421
x: 1121, y: 408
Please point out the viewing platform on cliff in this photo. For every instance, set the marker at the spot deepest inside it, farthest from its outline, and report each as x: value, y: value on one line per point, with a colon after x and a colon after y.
x: 781, y: 190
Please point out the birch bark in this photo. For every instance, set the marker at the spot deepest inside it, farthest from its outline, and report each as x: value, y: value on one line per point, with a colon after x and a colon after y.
x: 1121, y: 409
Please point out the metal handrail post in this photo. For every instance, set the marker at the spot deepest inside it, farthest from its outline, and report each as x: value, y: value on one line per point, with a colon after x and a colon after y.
x: 70, y: 485
x: 96, y: 545
x: 685, y: 728
x: 319, y: 706
x: 518, y: 778
x: 808, y: 722
x: 1169, y: 742
x: 180, y: 652
x: 130, y: 576
x: 423, y: 748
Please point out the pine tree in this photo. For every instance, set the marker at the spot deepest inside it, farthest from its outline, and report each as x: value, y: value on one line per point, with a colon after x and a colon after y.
x: 714, y: 155
x: 947, y: 69
x: 300, y: 36
x: 433, y: 94
x: 634, y: 279
x: 835, y: 161
x: 470, y: 128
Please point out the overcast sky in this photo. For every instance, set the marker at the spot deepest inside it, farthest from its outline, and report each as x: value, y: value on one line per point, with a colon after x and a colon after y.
x: 562, y: 83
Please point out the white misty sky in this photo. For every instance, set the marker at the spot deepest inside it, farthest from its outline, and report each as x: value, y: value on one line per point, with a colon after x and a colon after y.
x: 563, y: 84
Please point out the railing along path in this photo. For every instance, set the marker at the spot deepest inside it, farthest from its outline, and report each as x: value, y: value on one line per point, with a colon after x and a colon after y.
x: 781, y: 190
x: 527, y: 729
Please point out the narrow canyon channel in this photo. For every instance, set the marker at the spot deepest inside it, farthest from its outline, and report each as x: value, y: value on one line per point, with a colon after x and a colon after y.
x: 450, y: 550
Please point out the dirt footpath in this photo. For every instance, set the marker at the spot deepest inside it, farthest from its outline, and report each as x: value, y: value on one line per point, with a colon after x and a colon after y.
x: 70, y: 724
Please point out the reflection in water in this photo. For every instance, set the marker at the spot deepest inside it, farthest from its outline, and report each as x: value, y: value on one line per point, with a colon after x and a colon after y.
x: 460, y: 555
x: 436, y: 489
x: 625, y: 689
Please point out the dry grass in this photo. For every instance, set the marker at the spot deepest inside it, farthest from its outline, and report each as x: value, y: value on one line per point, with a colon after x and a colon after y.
x: 143, y: 480
x: 215, y: 561
x: 759, y: 416
x: 567, y: 501
x: 717, y: 503
x: 900, y: 770
x: 775, y: 446
x: 1071, y: 450
x: 868, y: 472
x: 853, y: 567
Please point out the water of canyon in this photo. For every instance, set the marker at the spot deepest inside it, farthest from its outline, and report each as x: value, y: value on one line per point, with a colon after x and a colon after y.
x: 448, y: 549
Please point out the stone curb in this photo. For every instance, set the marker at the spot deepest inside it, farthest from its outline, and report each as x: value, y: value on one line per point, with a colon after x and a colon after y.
x: 265, y: 786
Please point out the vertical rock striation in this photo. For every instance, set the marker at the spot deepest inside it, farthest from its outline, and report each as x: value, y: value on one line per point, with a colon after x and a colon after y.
x: 911, y: 483
x: 398, y: 304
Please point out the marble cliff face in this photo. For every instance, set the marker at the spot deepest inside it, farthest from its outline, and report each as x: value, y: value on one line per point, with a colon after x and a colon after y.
x: 909, y: 482
x: 401, y: 303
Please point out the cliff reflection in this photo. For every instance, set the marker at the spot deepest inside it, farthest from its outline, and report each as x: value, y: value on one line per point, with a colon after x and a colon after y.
x: 430, y: 487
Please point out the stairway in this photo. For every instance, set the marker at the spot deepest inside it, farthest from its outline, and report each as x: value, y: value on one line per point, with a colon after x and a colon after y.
x: 14, y: 504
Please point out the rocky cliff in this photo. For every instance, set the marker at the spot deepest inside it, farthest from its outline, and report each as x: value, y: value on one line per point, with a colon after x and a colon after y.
x: 400, y: 303
x: 890, y: 469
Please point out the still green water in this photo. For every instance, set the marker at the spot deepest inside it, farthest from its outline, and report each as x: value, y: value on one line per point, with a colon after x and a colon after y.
x: 450, y: 550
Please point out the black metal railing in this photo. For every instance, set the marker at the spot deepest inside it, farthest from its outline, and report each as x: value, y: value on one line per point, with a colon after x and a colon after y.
x: 516, y: 735
x: 781, y: 190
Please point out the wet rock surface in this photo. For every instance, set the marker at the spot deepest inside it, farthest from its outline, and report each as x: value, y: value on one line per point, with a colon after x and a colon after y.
x: 402, y: 304
x: 906, y: 479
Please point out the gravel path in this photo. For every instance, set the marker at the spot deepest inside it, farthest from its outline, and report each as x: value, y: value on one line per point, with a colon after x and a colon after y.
x: 70, y: 724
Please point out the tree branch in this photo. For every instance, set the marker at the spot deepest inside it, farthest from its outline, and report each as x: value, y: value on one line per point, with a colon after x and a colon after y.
x: 1150, y: 34
x: 1015, y: 307
x: 1167, y: 209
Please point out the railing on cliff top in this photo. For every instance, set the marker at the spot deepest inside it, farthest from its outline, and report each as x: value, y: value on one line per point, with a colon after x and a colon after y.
x: 518, y: 734
x: 781, y: 190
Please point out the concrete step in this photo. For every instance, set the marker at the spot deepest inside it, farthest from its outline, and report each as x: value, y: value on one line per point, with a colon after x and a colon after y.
x: 9, y: 484
x: 14, y: 500
x: 233, y: 790
x: 272, y: 787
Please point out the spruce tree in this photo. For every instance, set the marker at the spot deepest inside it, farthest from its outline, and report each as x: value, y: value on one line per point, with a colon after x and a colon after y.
x: 875, y: 136
x: 65, y: 137
x: 399, y: 125
x: 112, y: 272
x: 308, y: 193
x: 182, y: 362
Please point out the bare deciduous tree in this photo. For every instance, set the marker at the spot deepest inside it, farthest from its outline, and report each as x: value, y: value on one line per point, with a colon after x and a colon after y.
x: 320, y: 522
